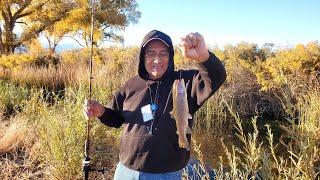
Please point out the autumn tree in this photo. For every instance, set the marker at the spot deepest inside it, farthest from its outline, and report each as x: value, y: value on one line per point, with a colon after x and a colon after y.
x: 11, y: 12
x: 34, y: 16
x: 110, y: 17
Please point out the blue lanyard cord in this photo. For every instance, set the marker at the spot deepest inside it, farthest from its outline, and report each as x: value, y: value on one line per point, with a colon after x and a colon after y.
x: 154, y: 101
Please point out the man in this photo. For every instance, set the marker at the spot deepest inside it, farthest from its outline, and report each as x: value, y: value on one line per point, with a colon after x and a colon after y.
x: 149, y: 144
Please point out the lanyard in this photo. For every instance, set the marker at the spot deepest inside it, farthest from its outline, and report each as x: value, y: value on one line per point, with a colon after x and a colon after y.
x: 154, y: 106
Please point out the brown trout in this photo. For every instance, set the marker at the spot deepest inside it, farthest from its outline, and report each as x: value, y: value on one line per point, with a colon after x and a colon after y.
x: 180, y: 112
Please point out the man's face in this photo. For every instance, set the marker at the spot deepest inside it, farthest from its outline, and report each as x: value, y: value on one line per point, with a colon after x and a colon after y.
x: 156, y: 59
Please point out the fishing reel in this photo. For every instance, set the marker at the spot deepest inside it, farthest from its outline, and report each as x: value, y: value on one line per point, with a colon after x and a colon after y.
x: 87, y: 168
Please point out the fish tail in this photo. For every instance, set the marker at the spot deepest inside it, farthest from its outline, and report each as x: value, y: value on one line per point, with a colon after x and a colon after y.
x: 183, y: 142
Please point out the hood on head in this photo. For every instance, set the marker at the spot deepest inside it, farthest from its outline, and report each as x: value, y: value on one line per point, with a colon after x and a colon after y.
x: 155, y: 35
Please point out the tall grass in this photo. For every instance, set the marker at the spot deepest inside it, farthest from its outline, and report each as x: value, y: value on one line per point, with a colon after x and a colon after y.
x: 252, y: 159
x: 52, y: 137
x: 303, y: 132
x: 12, y: 98
x: 42, y: 126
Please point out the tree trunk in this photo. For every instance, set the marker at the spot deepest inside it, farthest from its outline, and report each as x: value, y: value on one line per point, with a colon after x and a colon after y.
x: 10, y: 43
x: 11, y: 12
x: 1, y: 43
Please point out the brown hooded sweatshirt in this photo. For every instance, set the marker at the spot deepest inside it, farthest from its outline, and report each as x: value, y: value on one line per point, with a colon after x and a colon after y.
x: 158, y: 152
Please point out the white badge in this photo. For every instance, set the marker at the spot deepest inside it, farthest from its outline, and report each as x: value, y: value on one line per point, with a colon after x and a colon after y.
x: 146, y: 113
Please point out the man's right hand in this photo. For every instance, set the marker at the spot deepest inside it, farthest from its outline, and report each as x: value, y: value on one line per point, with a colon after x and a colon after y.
x: 93, y: 109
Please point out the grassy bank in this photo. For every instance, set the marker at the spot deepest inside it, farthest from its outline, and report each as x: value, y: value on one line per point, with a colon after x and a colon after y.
x: 267, y: 114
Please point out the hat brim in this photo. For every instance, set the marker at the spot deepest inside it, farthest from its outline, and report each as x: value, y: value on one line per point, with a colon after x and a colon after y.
x: 155, y: 39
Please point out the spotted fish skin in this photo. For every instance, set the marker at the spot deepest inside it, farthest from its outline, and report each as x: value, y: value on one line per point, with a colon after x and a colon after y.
x: 180, y: 112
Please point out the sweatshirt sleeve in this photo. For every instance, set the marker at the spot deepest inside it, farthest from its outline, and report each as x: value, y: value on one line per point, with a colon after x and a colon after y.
x: 210, y: 76
x: 112, y: 115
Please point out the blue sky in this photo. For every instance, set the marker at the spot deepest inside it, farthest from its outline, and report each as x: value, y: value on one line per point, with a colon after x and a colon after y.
x: 221, y: 22
x: 282, y: 22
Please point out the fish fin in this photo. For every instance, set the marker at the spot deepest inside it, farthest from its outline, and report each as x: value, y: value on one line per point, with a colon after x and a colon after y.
x: 182, y: 81
x: 187, y: 146
x: 174, y: 88
x: 189, y: 116
x: 187, y: 84
x: 189, y: 130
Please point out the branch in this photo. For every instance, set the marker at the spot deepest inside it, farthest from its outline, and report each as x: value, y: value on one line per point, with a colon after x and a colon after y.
x: 42, y: 27
x: 18, y: 14
x: 48, y: 39
x: 8, y: 9
x: 22, y: 15
x: 56, y: 42
x: 21, y: 22
x: 4, y: 16
x: 75, y: 40
x: 105, y: 26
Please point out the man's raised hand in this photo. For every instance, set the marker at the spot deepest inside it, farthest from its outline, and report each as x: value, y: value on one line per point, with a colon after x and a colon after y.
x: 193, y: 47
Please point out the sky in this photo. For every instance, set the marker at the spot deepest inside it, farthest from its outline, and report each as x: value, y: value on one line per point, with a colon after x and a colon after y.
x: 221, y: 22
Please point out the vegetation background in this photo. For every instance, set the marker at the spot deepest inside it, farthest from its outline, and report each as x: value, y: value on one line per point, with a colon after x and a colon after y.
x: 264, y: 122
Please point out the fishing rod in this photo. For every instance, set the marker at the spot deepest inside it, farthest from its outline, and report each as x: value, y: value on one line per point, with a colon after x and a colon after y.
x: 86, y: 160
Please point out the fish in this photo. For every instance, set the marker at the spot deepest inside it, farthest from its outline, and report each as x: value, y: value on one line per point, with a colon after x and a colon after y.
x: 180, y: 112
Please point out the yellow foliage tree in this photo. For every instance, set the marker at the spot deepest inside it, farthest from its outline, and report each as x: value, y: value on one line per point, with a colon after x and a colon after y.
x: 289, y: 65
x: 109, y: 17
x: 34, y: 16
